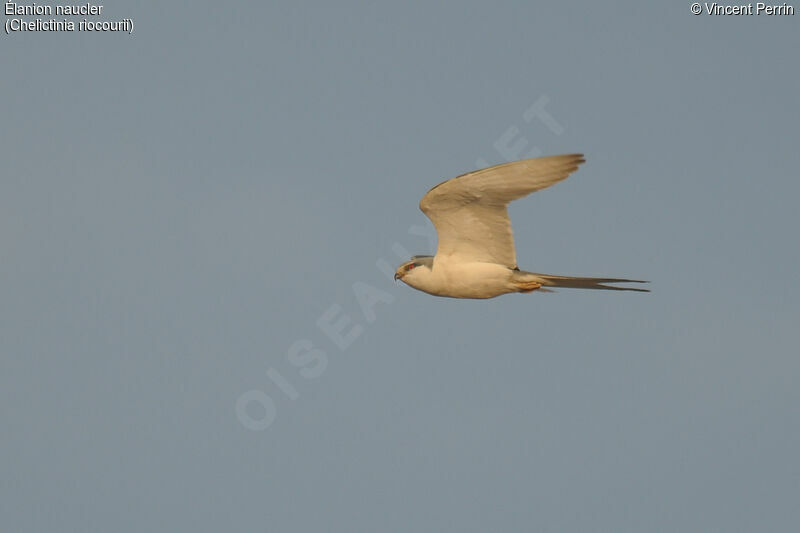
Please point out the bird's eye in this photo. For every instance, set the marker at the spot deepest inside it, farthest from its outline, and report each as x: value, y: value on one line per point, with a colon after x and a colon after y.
x: 410, y: 267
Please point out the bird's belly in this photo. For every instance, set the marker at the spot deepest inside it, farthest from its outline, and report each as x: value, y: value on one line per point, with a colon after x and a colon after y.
x: 472, y: 280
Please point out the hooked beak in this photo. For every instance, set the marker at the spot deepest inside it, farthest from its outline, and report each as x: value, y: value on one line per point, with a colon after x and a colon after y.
x: 396, y: 276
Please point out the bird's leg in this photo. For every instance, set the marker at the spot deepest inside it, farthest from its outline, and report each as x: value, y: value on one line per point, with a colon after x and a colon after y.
x: 528, y: 286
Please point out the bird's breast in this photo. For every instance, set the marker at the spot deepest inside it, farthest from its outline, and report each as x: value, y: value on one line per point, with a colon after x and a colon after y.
x: 468, y: 280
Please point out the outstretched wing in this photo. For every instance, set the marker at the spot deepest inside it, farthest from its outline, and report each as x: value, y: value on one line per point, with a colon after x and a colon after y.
x: 470, y: 212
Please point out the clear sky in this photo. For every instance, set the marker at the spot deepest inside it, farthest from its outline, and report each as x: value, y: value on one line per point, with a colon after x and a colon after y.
x: 196, y: 332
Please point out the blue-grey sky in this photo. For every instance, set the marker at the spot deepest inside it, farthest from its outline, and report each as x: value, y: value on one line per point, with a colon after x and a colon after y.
x: 181, y: 208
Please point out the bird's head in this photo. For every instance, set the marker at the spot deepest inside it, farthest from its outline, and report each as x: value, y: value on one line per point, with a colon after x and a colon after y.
x: 419, y: 266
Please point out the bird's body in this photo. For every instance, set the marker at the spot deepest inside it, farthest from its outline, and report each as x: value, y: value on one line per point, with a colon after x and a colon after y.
x: 463, y: 280
x: 475, y: 257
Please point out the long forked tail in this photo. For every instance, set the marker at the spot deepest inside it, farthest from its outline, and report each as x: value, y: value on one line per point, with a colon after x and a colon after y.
x: 581, y: 283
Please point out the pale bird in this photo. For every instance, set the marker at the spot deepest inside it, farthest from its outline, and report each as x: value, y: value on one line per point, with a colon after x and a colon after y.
x: 475, y: 257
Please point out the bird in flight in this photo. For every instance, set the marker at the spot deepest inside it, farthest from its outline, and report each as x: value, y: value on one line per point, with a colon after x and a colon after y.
x: 475, y: 257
